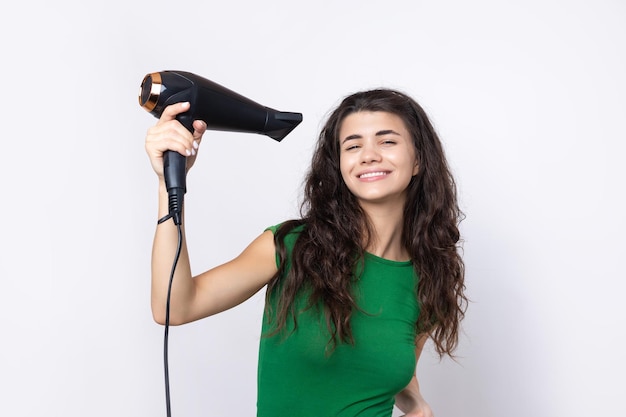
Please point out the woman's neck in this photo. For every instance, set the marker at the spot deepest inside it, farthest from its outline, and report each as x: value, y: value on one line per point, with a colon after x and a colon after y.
x: 386, y: 239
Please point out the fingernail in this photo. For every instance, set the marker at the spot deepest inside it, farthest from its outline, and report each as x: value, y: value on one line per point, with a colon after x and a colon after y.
x: 195, y: 144
x: 193, y: 151
x: 185, y: 104
x: 188, y: 152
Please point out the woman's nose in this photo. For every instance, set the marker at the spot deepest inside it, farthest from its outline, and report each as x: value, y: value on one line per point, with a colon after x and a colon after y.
x: 369, y: 154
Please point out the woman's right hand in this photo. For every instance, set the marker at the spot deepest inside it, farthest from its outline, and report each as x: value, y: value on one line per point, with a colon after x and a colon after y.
x: 170, y: 135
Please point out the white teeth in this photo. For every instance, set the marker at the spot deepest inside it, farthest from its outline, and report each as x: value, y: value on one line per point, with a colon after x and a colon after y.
x: 372, y: 174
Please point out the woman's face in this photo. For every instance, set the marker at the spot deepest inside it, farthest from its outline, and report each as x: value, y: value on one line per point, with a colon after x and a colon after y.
x: 377, y: 157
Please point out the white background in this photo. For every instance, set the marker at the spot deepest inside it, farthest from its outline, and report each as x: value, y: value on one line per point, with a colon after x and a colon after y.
x: 528, y: 97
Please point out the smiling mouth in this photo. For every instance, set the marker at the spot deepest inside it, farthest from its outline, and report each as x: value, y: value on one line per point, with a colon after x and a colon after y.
x: 373, y: 174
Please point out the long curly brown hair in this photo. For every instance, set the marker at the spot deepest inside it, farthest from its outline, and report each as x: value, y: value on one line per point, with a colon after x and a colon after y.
x: 334, y: 229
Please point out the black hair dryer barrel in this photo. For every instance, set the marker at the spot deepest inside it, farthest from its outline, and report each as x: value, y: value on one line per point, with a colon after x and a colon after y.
x: 219, y: 107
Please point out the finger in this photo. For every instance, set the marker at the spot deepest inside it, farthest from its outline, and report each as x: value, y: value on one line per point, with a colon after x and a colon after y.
x: 199, y: 127
x: 174, y: 110
x: 170, y: 136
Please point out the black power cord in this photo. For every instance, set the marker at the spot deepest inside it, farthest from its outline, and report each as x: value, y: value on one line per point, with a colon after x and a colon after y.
x: 167, y: 316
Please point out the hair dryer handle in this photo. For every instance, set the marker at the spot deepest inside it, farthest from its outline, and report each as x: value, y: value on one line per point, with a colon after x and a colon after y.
x: 175, y: 173
x: 175, y: 164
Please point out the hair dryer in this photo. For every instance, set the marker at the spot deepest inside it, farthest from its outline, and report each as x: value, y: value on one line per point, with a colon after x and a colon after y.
x: 219, y: 107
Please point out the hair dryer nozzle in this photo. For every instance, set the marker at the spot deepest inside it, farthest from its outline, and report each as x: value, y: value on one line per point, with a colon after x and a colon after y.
x: 279, y: 124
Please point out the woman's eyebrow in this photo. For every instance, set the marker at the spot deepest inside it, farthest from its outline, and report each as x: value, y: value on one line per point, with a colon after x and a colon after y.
x: 379, y: 133
x: 387, y: 132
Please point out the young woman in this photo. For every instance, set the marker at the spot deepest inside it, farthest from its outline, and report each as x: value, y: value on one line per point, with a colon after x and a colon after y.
x: 357, y: 285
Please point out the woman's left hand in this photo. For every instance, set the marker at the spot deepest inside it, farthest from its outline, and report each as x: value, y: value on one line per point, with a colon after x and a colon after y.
x: 421, y: 409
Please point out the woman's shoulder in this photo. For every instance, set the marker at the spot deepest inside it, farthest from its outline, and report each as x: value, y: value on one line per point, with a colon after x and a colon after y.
x: 289, y: 227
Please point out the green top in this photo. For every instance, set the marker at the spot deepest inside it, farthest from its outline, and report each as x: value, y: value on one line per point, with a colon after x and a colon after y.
x: 298, y: 377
